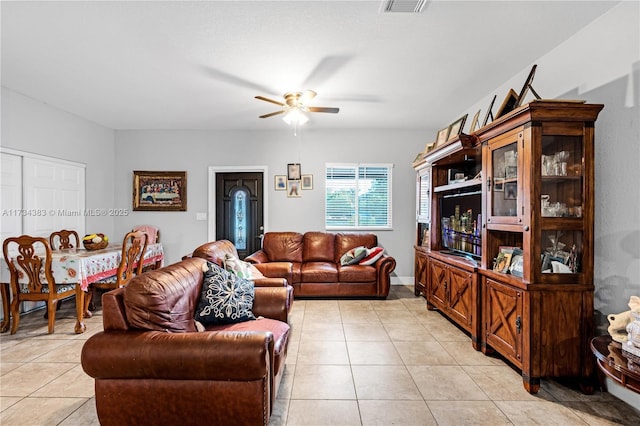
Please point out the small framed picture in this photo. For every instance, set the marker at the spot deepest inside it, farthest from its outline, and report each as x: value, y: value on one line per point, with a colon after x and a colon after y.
x: 511, y: 190
x: 293, y: 171
x: 456, y: 127
x: 498, y: 185
x: 293, y: 188
x: 280, y: 182
x: 509, y: 103
x: 306, y: 182
x: 443, y: 135
x: 474, y: 122
x: 489, y: 113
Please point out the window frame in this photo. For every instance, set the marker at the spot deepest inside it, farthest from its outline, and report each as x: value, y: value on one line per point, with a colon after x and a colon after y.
x: 357, y: 168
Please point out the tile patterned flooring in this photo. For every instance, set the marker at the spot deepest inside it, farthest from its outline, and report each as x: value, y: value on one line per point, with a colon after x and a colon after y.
x: 350, y: 362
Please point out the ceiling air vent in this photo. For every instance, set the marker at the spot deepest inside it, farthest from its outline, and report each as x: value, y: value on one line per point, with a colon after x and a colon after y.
x: 403, y: 6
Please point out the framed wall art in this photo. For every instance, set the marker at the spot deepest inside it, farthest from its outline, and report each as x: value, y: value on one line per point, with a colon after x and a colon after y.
x: 159, y: 191
x: 442, y: 137
x: 306, y: 182
x: 293, y: 188
x: 280, y: 182
x: 293, y: 171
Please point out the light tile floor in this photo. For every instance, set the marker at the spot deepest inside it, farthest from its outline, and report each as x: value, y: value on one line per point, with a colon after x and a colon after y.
x: 350, y: 362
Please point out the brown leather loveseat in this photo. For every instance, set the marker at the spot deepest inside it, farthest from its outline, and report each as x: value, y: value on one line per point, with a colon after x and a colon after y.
x: 152, y: 366
x: 311, y: 264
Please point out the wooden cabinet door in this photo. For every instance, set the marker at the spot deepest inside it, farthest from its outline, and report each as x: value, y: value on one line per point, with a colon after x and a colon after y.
x: 460, y: 286
x: 503, y: 320
x: 437, y: 290
x: 420, y: 274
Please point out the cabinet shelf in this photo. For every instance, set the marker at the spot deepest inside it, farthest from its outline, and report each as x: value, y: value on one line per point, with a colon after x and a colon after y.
x: 459, y: 185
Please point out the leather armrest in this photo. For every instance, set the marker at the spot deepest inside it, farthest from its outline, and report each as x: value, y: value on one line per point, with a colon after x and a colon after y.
x: 270, y: 282
x: 258, y: 257
x: 273, y: 302
x: 210, y: 355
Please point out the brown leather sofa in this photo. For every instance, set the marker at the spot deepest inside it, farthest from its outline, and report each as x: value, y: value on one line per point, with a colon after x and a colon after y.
x: 310, y: 262
x: 151, y: 366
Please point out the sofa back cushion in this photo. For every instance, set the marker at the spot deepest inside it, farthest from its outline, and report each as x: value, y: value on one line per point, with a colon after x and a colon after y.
x: 165, y: 299
x: 215, y: 251
x: 283, y: 246
x: 318, y: 247
x: 346, y: 242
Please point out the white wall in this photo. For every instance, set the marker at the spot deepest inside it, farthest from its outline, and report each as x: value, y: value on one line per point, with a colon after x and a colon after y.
x: 32, y: 126
x: 195, y: 151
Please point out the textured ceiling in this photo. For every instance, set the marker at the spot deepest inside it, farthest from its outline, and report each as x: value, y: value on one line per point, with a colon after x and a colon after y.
x: 198, y: 65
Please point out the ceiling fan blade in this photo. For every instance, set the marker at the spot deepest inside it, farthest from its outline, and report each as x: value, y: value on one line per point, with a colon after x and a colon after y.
x: 262, y: 98
x: 323, y: 109
x: 272, y: 114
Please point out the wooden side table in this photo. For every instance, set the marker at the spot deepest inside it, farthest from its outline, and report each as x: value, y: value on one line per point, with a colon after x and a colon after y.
x: 614, y: 364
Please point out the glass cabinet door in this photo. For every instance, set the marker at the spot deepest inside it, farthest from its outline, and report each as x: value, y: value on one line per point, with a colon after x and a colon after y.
x: 504, y: 166
x: 561, y: 204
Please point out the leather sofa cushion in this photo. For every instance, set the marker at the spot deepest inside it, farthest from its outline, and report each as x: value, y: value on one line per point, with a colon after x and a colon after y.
x: 318, y: 247
x: 283, y: 246
x: 319, y: 272
x: 165, y: 299
x: 279, y: 329
x: 345, y: 242
x: 357, y: 274
x: 215, y: 251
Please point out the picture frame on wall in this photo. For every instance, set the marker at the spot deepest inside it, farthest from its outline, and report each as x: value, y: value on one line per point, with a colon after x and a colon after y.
x: 293, y: 171
x: 456, y: 127
x: 159, y: 191
x: 306, y: 182
x: 280, y: 182
x: 293, y: 188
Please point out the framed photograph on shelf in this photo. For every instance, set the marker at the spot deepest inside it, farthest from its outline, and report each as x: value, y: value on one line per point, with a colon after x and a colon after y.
x: 306, y: 182
x: 511, y: 190
x: 474, y: 122
x: 280, y: 182
x: 489, y: 112
x: 527, y: 86
x: 509, y: 103
x: 159, y: 191
x: 293, y: 188
x: 498, y: 185
x: 293, y: 171
x: 443, y: 135
x: 456, y: 127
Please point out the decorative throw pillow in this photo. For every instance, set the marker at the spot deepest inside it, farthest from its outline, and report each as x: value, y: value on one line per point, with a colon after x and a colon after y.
x: 373, y: 254
x: 353, y: 256
x: 225, y: 298
x: 237, y: 266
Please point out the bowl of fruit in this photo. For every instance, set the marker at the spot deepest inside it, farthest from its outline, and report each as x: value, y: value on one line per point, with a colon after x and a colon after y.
x: 95, y: 241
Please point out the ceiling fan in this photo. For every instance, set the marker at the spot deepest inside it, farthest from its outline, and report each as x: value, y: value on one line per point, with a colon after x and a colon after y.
x: 296, y: 103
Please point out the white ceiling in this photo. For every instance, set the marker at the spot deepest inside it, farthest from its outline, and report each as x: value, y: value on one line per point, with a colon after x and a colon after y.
x: 198, y: 65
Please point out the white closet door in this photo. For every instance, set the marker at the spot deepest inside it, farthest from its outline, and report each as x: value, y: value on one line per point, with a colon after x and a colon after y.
x: 53, y: 195
x: 11, y: 197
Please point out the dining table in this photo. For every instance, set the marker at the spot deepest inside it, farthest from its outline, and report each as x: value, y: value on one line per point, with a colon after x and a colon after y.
x: 79, y: 266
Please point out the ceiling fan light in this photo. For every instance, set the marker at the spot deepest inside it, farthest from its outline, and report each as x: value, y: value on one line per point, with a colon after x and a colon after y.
x: 295, y: 116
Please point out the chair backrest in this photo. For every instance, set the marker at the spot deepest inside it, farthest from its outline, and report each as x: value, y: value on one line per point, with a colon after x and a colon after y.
x: 28, y: 255
x: 134, y: 246
x: 152, y: 231
x: 64, y: 239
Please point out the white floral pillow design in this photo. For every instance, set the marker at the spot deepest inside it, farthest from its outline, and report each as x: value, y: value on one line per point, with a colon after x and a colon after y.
x: 225, y: 298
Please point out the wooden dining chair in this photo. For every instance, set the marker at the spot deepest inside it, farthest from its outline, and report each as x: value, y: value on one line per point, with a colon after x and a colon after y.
x: 154, y: 237
x: 30, y: 258
x: 134, y: 246
x: 63, y: 238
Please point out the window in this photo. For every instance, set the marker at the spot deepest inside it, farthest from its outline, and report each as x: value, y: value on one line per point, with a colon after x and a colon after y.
x: 358, y: 196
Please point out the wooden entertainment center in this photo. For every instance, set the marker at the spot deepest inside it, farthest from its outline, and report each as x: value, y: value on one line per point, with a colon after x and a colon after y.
x: 504, y: 237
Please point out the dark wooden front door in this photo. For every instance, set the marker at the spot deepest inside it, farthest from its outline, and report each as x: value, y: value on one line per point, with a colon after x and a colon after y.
x: 239, y: 210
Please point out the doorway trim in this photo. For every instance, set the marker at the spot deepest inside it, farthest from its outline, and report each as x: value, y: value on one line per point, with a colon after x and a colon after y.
x: 211, y: 213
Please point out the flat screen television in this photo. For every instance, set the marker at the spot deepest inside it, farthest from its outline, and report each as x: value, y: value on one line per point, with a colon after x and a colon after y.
x: 461, y: 223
